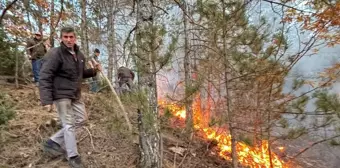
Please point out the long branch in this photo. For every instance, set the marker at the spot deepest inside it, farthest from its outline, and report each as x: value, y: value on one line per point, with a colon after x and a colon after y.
x: 5, y: 10
x: 287, y: 6
x: 313, y: 144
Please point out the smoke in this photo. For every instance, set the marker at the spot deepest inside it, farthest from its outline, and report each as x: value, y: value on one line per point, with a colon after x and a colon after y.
x: 169, y: 79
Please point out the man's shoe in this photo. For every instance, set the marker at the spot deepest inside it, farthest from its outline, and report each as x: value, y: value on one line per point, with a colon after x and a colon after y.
x: 75, y: 162
x: 52, y: 149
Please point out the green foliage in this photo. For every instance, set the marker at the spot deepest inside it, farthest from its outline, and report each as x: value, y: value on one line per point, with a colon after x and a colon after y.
x: 296, y: 133
x: 7, y: 55
x: 283, y: 123
x: 327, y: 102
x: 164, y: 60
x: 334, y: 142
x: 245, y: 139
x: 167, y: 113
x: 6, y: 109
x: 215, y: 122
x: 299, y: 105
x: 298, y: 83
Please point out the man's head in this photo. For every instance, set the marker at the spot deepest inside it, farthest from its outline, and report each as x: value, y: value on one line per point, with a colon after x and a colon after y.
x: 96, y: 52
x: 37, y: 35
x: 68, y: 36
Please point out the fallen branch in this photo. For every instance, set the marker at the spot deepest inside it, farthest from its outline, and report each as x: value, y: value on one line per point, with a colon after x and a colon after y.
x: 117, y: 98
x: 80, y: 140
x: 10, y: 134
x: 4, y: 157
x: 88, y: 131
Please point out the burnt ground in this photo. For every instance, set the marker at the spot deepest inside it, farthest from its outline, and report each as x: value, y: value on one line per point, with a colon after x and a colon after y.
x: 104, y: 143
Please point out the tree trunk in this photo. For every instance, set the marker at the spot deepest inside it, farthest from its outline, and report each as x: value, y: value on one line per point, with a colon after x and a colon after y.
x: 227, y: 74
x: 38, y: 15
x: 150, y: 154
x: 268, y: 110
x: 87, y: 48
x: 187, y: 76
x: 16, y: 67
x: 112, y: 58
x: 83, y: 34
x: 52, y: 24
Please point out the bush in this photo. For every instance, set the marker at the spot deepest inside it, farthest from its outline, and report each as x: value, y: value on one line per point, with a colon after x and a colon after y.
x: 6, y: 109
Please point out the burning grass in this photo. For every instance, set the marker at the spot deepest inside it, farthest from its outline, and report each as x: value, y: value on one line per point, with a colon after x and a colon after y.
x: 248, y: 156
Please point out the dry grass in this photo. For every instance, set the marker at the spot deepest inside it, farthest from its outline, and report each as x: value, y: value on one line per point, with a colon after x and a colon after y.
x: 21, y: 140
x: 107, y: 145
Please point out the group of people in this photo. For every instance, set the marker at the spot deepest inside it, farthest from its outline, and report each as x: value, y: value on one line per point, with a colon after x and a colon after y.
x: 59, y: 72
x: 36, y: 49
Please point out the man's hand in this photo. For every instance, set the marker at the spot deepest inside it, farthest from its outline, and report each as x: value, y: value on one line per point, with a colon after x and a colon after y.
x: 29, y: 57
x: 90, y: 63
x: 98, y: 67
x: 48, y: 107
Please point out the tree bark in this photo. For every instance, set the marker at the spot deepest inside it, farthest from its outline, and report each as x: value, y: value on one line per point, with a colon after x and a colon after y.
x: 52, y: 24
x: 230, y: 115
x: 83, y: 33
x: 150, y: 153
x: 187, y: 76
x: 112, y: 58
x: 16, y: 67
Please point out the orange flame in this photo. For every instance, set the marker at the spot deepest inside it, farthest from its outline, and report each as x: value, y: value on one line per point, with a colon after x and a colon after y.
x: 254, y: 157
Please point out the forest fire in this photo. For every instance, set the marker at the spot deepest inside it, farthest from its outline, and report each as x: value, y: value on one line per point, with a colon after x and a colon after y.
x: 254, y: 157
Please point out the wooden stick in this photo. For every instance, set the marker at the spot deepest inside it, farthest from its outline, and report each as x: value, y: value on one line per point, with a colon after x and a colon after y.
x: 117, y: 98
x: 91, y: 140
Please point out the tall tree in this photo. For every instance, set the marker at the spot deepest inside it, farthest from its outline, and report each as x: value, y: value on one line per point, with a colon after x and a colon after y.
x: 84, y: 29
x: 153, y: 54
x: 112, y: 58
x: 146, y: 44
x: 227, y: 76
x: 187, y: 72
x: 52, y: 24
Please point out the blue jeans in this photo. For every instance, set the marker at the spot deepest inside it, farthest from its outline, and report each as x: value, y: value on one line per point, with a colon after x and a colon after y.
x: 36, y: 64
x: 94, y: 85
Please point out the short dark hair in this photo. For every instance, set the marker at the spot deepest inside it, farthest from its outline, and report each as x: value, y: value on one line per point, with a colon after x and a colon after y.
x: 67, y: 29
x: 96, y: 50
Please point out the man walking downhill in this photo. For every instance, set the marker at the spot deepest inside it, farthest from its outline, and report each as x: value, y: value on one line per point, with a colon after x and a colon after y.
x: 61, y: 75
x: 94, y: 83
x: 36, y: 50
x: 125, y: 76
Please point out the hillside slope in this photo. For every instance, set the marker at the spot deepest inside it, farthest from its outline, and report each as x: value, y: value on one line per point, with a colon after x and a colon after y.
x: 103, y: 143
x: 21, y: 140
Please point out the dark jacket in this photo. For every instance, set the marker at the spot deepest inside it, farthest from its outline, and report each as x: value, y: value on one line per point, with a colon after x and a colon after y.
x: 39, y: 49
x: 124, y: 72
x: 61, y: 74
